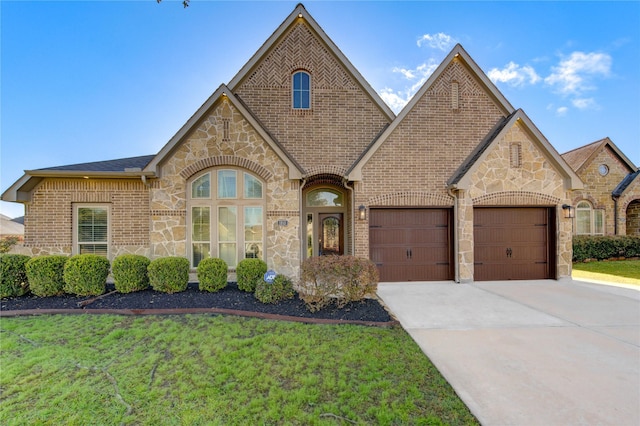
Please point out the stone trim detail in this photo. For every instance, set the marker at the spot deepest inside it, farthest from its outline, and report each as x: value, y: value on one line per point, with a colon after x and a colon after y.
x: 281, y: 213
x: 226, y: 160
x: 411, y: 198
x: 515, y: 198
x: 181, y: 213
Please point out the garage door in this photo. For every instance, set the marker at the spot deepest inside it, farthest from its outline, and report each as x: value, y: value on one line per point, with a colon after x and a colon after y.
x: 411, y: 244
x: 513, y: 243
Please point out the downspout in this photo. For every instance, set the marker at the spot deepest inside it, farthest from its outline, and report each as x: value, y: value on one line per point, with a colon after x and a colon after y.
x: 456, y: 259
x: 353, y: 218
x: 303, y: 227
x: 615, y: 213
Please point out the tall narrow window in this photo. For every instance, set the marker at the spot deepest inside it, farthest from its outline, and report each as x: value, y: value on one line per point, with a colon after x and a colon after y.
x: 92, y: 230
x: 301, y: 90
x: 200, y: 233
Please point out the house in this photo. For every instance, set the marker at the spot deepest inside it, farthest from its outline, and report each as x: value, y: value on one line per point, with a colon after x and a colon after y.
x: 298, y: 156
x: 609, y: 203
x: 11, y: 228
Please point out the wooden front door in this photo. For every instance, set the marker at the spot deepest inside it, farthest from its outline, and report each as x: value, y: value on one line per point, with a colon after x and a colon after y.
x: 411, y: 244
x: 330, y: 234
x: 513, y: 243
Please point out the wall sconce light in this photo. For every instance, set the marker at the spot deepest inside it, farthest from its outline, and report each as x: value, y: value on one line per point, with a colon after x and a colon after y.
x: 362, y: 211
x: 568, y: 211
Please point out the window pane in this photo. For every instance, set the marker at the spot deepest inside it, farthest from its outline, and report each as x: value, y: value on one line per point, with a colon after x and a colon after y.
x: 252, y: 187
x: 201, y: 187
x: 92, y: 224
x: 253, y: 251
x: 227, y: 184
x: 309, y: 235
x: 324, y: 198
x: 598, y: 222
x: 201, y: 224
x: 227, y: 252
x: 253, y: 224
x: 227, y: 224
x: 99, y: 249
x: 583, y: 221
x: 301, y: 90
x: 200, y: 251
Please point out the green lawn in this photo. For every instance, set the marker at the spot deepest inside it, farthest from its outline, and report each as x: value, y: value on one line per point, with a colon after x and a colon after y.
x: 215, y: 370
x: 622, y: 271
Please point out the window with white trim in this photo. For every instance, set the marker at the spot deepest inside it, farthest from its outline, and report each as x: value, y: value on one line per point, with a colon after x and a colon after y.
x: 301, y: 90
x: 589, y: 221
x: 91, y: 229
x: 227, y: 223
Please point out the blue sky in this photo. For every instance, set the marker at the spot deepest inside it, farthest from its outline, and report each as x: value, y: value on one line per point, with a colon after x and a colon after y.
x: 88, y: 81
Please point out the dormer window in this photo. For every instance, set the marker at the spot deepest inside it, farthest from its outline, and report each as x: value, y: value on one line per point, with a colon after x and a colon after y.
x: 301, y: 93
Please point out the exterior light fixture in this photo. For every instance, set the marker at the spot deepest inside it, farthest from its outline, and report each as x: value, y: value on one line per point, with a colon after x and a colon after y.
x: 362, y: 210
x: 569, y: 212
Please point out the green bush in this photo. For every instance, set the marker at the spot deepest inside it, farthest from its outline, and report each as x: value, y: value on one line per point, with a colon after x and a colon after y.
x: 169, y: 274
x: 46, y: 275
x: 130, y: 273
x: 336, y: 279
x: 86, y: 274
x: 249, y: 272
x: 13, y: 275
x: 604, y: 247
x: 212, y: 274
x: 280, y: 289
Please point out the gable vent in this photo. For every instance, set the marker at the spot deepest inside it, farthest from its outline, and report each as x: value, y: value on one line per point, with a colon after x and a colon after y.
x: 515, y: 154
x: 454, y: 95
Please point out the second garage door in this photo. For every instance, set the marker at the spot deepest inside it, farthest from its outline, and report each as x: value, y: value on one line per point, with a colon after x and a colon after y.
x: 411, y: 244
x: 513, y: 243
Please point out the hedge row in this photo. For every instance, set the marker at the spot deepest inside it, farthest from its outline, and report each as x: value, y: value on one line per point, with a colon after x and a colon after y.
x: 604, y: 247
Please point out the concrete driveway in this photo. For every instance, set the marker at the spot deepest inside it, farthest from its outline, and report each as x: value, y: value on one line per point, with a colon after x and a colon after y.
x: 530, y: 352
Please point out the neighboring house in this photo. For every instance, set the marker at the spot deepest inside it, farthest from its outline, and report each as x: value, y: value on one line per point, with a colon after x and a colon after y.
x: 11, y: 228
x: 609, y: 203
x: 297, y: 156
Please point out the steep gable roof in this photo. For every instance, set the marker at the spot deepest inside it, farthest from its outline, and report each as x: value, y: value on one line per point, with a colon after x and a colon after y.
x: 457, y: 54
x: 461, y: 179
x: 626, y: 182
x: 581, y: 157
x: 295, y: 171
x: 300, y: 13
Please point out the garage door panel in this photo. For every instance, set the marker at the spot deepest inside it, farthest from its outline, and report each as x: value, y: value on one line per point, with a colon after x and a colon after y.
x: 511, y: 243
x: 411, y: 244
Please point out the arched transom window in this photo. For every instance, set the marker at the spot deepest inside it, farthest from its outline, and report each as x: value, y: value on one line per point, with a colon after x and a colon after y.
x: 226, y: 216
x: 589, y: 221
x: 301, y: 90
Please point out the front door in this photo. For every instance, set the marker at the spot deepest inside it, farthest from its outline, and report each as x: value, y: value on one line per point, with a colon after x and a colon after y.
x: 330, y: 239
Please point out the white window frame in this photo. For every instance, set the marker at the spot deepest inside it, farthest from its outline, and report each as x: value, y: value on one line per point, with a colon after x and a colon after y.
x: 215, y: 203
x: 293, y: 91
x: 76, y: 217
x: 584, y: 206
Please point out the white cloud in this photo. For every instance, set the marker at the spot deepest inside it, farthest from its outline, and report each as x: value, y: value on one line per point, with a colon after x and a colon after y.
x: 514, y: 75
x: 397, y: 99
x: 439, y: 41
x: 584, y: 103
x: 574, y: 75
x: 562, y: 111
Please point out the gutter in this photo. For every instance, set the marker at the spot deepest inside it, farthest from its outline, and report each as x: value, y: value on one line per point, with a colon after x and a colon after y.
x: 615, y: 213
x: 456, y: 259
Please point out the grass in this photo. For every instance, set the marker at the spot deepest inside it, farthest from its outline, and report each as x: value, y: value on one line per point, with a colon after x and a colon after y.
x: 620, y: 271
x: 215, y: 370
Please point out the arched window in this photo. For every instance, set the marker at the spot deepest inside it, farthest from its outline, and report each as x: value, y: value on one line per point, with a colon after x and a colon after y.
x: 226, y: 216
x: 301, y: 90
x: 589, y: 221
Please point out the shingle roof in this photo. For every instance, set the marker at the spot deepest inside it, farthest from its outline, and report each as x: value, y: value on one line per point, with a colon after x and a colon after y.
x: 118, y: 165
x: 625, y: 183
x: 576, y: 158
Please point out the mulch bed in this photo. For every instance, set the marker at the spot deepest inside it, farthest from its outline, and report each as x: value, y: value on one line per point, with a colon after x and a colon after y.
x: 230, y: 301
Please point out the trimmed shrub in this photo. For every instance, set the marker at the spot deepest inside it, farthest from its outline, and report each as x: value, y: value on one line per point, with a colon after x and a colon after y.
x: 280, y: 289
x: 336, y: 279
x: 130, y: 273
x: 169, y: 274
x: 46, y: 275
x: 212, y: 274
x: 13, y: 275
x: 249, y: 272
x: 604, y: 247
x: 86, y: 274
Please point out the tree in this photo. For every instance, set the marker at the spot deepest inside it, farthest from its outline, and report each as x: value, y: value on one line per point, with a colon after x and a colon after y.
x: 185, y: 3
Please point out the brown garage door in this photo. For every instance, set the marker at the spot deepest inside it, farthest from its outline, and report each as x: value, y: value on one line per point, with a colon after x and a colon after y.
x: 411, y: 244
x: 513, y: 243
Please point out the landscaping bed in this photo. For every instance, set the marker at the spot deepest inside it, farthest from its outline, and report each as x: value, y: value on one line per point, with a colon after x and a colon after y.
x: 229, y: 298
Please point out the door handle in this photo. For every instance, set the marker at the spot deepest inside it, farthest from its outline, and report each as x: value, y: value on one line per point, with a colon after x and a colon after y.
x: 509, y: 252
